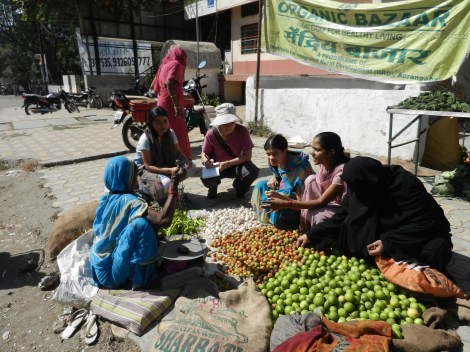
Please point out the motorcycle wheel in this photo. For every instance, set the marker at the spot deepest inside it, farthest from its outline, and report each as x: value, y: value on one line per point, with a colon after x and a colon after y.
x: 204, y: 122
x: 26, y: 109
x: 70, y: 106
x: 97, y: 103
x: 131, y: 132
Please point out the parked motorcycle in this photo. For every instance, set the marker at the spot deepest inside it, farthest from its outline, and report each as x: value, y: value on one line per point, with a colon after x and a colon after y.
x: 86, y: 98
x: 140, y: 87
x: 42, y: 104
x: 134, y: 112
x: 193, y: 86
x: 137, y: 90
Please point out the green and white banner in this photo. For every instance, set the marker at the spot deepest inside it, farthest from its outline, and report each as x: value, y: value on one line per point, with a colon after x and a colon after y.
x: 399, y: 42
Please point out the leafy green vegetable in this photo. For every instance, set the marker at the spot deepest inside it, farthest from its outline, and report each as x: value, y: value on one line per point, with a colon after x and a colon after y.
x: 435, y: 101
x: 183, y: 224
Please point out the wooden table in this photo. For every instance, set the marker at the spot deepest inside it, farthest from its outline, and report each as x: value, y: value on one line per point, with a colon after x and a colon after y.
x: 419, y: 115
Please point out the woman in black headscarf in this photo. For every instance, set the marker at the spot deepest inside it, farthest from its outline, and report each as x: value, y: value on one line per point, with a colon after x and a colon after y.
x: 387, y: 211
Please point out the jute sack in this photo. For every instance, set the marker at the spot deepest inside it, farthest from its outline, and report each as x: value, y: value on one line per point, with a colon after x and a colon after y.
x: 418, y: 338
x: 458, y: 310
x: 238, y: 321
x: 463, y: 309
x: 70, y: 225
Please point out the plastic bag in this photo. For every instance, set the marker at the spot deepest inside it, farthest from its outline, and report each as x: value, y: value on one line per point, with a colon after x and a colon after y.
x: 76, y: 284
x: 418, y: 278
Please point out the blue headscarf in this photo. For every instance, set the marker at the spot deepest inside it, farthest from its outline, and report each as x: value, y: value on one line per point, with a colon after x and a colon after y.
x: 117, y: 209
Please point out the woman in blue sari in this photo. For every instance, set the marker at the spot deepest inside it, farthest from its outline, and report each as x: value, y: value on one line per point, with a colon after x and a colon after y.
x: 125, y: 245
x: 289, y: 169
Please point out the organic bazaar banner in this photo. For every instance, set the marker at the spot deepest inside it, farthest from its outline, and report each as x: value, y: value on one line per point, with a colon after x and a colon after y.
x: 399, y: 42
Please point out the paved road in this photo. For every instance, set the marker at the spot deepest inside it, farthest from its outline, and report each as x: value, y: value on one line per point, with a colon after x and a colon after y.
x: 81, y: 143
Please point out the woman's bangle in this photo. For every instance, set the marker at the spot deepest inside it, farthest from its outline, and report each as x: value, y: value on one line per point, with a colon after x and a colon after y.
x: 289, y: 203
x: 173, y: 190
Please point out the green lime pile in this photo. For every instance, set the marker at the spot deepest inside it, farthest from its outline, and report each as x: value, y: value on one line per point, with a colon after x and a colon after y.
x: 342, y: 288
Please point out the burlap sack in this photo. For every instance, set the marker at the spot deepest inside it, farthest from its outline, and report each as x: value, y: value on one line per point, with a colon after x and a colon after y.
x: 239, y: 321
x: 458, y: 310
x: 70, y: 225
x: 463, y: 309
x: 418, y: 338
x: 434, y: 316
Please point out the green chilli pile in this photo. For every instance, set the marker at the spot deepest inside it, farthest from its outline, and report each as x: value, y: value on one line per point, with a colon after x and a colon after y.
x: 343, y: 289
x: 182, y: 224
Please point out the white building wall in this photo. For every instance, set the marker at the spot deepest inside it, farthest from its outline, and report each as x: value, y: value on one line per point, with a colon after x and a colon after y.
x: 354, y: 109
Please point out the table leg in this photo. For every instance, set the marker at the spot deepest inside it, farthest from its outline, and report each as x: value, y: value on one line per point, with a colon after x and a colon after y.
x: 390, y: 125
x: 418, y: 141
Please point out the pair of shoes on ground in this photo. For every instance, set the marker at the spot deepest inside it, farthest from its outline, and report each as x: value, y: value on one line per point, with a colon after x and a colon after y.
x: 88, y: 322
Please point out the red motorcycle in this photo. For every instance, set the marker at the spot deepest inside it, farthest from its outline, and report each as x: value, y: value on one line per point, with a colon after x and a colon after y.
x: 133, y: 112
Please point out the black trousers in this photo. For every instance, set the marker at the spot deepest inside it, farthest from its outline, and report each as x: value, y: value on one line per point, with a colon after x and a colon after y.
x: 243, y: 174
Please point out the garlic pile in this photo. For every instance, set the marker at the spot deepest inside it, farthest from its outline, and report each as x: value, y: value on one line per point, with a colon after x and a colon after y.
x: 223, y: 221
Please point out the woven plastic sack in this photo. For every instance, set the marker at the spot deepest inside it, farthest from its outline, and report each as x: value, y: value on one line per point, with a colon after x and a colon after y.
x: 419, y: 278
x: 76, y: 286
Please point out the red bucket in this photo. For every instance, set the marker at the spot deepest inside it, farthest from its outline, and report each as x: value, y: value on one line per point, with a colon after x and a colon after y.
x: 140, y: 109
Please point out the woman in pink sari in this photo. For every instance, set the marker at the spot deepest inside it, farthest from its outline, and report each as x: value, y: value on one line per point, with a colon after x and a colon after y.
x: 324, y: 191
x: 168, y: 83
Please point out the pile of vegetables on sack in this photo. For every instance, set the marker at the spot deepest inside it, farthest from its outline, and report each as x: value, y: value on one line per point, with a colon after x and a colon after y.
x: 456, y: 182
x: 259, y: 251
x: 343, y: 289
x: 436, y: 101
x: 183, y: 224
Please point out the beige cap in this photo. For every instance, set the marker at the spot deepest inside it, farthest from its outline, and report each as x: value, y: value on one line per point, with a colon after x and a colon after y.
x: 226, y: 113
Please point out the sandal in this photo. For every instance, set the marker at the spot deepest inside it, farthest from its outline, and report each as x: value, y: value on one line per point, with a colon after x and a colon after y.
x: 91, y: 330
x: 76, y: 319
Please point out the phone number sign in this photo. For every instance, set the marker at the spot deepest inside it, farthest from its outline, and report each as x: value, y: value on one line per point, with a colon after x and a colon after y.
x: 115, y: 57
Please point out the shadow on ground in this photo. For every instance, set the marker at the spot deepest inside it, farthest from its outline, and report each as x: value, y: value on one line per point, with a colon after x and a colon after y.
x: 458, y: 268
x: 226, y: 198
x: 19, y: 270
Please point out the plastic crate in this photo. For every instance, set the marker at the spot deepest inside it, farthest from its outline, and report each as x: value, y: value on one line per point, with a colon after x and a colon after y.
x: 140, y: 109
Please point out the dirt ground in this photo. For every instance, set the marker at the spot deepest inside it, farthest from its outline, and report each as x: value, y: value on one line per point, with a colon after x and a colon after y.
x: 27, y: 314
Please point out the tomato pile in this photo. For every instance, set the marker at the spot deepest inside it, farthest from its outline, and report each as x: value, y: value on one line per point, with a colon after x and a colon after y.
x: 342, y: 288
x: 258, y: 251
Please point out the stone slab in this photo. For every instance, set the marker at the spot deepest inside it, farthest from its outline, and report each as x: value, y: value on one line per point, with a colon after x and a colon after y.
x: 99, y: 118
x: 7, y: 126
x: 62, y: 121
x: 23, y: 125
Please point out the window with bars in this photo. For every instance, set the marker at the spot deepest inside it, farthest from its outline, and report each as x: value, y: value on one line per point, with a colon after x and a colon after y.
x: 249, y: 38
